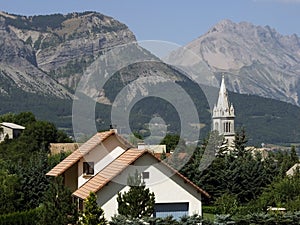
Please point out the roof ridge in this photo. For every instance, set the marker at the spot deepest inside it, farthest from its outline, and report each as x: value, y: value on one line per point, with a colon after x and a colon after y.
x: 82, y: 192
x: 80, y: 152
x: 118, y: 166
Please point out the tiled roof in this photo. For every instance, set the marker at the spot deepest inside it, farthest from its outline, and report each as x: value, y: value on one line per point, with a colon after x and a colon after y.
x: 82, y: 151
x: 116, y: 167
x: 108, y: 173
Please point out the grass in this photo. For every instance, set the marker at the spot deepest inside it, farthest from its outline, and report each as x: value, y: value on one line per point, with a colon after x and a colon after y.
x: 209, y: 216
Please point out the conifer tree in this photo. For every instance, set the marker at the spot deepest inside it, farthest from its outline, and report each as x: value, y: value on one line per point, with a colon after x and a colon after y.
x: 58, y: 207
x: 93, y: 214
x: 240, y: 142
x: 138, y: 202
x: 293, y: 155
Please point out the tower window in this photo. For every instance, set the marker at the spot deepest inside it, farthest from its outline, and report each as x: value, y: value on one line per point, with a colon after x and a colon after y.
x: 227, y: 127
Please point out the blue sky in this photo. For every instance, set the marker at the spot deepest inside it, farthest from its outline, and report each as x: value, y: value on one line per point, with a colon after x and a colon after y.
x: 174, y: 21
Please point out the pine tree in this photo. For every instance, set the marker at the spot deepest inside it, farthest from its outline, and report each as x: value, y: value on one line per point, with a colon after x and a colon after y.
x: 240, y: 142
x: 293, y: 155
x: 58, y: 207
x: 138, y: 202
x: 93, y: 214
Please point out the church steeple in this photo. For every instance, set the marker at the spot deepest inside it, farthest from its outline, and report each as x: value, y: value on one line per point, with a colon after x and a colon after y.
x: 223, y: 115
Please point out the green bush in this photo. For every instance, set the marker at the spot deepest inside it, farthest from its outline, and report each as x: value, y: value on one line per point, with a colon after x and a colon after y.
x: 209, y: 209
x: 30, y: 217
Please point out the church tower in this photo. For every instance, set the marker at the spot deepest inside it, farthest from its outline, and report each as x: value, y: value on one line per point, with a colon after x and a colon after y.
x: 223, y: 115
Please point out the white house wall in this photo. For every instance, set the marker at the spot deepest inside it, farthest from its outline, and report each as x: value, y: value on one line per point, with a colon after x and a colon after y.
x: 166, y: 189
x: 101, y: 156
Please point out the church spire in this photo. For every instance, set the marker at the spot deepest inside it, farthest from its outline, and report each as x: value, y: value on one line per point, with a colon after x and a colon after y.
x: 223, y: 115
x: 223, y: 96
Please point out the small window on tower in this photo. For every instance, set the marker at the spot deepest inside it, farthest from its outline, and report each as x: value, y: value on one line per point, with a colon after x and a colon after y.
x: 88, y: 168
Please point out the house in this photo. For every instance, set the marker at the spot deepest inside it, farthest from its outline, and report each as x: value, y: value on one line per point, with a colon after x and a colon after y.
x: 10, y: 130
x: 293, y: 169
x: 103, y: 164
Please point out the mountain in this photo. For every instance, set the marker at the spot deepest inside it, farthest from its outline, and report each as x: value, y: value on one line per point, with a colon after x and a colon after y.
x: 47, y: 54
x: 44, y: 58
x: 254, y: 59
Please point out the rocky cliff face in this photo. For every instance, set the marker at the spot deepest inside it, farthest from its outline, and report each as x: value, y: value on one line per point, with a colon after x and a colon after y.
x: 254, y: 59
x: 47, y: 54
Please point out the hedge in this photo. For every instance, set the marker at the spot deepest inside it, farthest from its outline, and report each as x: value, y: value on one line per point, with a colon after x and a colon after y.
x: 29, y: 217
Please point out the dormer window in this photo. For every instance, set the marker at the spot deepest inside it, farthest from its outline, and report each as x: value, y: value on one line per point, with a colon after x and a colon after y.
x: 88, y: 168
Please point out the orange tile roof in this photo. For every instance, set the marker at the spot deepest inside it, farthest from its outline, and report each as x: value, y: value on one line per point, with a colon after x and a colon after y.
x: 82, y: 151
x: 108, y: 173
x: 116, y: 167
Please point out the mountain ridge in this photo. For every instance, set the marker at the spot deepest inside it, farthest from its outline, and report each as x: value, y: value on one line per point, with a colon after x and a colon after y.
x: 257, y: 60
x: 40, y: 69
x: 56, y: 47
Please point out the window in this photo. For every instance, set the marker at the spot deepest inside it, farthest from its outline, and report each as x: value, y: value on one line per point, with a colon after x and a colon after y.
x: 88, y: 168
x: 176, y: 210
x: 227, y: 127
x: 146, y: 175
x: 80, y: 205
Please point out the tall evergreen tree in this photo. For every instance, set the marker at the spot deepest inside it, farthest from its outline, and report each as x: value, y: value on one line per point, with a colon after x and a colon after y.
x: 58, y: 207
x: 240, y: 141
x: 138, y: 202
x: 92, y: 214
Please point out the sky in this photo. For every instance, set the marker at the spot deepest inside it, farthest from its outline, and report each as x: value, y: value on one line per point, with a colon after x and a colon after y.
x: 174, y: 21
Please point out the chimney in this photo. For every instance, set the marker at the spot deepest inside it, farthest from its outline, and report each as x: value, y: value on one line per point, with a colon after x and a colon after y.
x: 111, y: 128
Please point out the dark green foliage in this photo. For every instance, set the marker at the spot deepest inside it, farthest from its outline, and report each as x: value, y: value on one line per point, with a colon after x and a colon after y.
x: 10, y: 196
x: 41, y: 23
x: 293, y: 154
x: 281, y: 193
x: 92, y: 214
x: 266, y: 120
x: 138, y: 202
x: 58, y: 207
x: 30, y: 217
x: 240, y: 142
x: 58, y: 111
x: 172, y: 142
x: 25, y: 162
x: 23, y: 118
x: 240, y: 174
x: 226, y: 204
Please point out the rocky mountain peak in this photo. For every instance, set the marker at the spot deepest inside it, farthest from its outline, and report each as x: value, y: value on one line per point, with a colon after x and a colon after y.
x: 257, y: 60
x: 37, y: 51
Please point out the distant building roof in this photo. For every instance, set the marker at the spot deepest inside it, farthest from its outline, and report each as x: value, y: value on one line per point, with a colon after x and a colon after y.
x: 83, y: 150
x: 116, y: 167
x: 12, y: 125
x: 56, y: 148
x: 292, y: 170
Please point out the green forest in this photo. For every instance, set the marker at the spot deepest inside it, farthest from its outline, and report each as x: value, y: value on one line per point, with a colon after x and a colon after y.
x: 266, y: 120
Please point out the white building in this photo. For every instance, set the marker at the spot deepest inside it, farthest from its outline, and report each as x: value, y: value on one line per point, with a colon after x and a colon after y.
x: 10, y: 130
x: 223, y: 115
x: 103, y: 164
